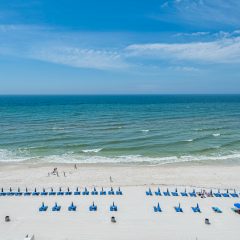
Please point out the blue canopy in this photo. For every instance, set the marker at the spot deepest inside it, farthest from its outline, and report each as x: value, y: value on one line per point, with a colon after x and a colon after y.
x: 237, y: 205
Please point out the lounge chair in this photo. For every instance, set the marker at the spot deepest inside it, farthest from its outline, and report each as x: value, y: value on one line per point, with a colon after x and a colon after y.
x: 158, y: 192
x: 56, y: 208
x: 113, y: 208
x: 216, y: 209
x: 178, y: 208
x: 94, y: 192
x: 27, y: 193
x: 43, y: 208
x: 196, y: 209
x: 167, y: 193
x: 184, y: 194
x: 60, y: 192
x: 52, y: 193
x: 2, y: 193
x: 68, y: 192
x: 35, y: 193
x: 18, y: 193
x: 10, y: 193
x: 119, y: 192
x: 72, y: 207
x: 77, y: 192
x: 93, y: 208
x: 44, y: 193
x: 85, y: 192
x: 175, y: 194
x: 193, y: 193
x: 103, y: 192
x: 111, y: 192
x: 157, y: 208
x: 218, y: 194
x: 149, y: 192
x: 234, y: 194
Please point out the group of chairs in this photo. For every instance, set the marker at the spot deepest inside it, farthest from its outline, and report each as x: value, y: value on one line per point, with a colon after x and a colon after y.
x: 60, y: 192
x: 72, y: 207
x: 175, y: 193
x: 179, y: 209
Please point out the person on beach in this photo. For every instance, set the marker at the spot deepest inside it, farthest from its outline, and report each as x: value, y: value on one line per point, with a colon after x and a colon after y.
x: 75, y: 166
x: 111, y: 180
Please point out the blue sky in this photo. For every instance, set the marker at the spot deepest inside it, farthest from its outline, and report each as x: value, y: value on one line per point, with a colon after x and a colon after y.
x: 119, y: 47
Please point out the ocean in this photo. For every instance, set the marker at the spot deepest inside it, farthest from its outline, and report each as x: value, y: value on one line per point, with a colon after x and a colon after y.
x: 147, y: 129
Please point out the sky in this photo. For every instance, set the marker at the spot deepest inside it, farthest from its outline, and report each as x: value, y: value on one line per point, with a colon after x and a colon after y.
x: 119, y: 47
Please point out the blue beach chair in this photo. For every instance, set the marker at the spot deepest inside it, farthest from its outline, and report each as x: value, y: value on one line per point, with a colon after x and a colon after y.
x: 216, y: 209
x: 175, y: 194
x: 27, y: 193
x: 193, y: 193
x: 218, y: 194
x: 60, y: 192
x: 178, y: 209
x: 35, y: 193
x: 56, y: 208
x: 44, y: 193
x: 196, y: 209
x: 149, y: 192
x: 85, y: 192
x: 111, y: 192
x: 43, y: 208
x: 119, y: 192
x: 113, y: 208
x: 184, y: 194
x: 52, y: 193
x: 226, y: 194
x: 68, y: 192
x: 3, y: 193
x: 72, y: 208
x: 18, y: 193
x: 93, y: 208
x: 157, y: 208
x: 77, y: 192
x: 94, y: 192
x: 158, y: 192
x: 167, y: 193
x: 10, y: 193
x: 103, y: 192
x: 234, y: 194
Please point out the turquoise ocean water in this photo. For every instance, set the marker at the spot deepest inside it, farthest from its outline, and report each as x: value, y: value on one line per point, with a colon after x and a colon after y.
x: 128, y: 129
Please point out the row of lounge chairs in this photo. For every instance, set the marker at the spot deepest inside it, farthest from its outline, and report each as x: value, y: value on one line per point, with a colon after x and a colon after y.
x: 72, y: 207
x: 179, y: 209
x: 85, y: 192
x: 149, y: 192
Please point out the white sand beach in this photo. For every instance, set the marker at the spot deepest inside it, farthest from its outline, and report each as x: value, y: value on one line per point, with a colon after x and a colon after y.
x: 135, y: 216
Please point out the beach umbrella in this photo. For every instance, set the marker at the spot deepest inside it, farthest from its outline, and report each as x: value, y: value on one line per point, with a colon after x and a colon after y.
x: 237, y: 205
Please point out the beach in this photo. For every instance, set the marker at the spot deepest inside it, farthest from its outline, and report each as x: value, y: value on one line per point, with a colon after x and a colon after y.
x: 135, y: 216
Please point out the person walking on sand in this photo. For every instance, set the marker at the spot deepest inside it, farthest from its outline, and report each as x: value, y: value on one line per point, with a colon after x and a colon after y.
x: 111, y: 180
x: 75, y: 166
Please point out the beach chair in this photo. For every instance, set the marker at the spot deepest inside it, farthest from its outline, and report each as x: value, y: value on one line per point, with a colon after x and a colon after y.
x: 56, y: 208
x: 113, y: 208
x: 93, y: 208
x: 193, y: 193
x: 85, y: 192
x: 175, y: 194
x: 94, y: 192
x: 35, y: 193
x: 68, y: 192
x: 196, y: 209
x: 234, y: 194
x: 27, y: 193
x: 44, y: 193
x: 10, y: 193
x: 157, y: 208
x: 43, y: 208
x: 218, y: 194
x: 111, y: 192
x: 216, y: 209
x: 60, y: 192
x: 103, y: 192
x: 72, y: 207
x: 18, y: 193
x: 167, y: 193
x: 77, y: 192
x: 178, y: 208
x: 149, y: 192
x: 2, y: 193
x: 158, y: 192
x: 225, y: 195
x: 52, y: 193
x: 119, y: 192
x: 184, y: 194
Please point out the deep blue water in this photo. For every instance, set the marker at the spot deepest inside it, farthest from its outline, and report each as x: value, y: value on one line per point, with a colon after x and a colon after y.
x: 140, y: 128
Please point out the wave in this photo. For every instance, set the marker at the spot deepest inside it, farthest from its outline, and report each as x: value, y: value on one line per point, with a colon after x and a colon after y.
x: 96, y: 150
x: 216, y: 134
x: 145, y: 130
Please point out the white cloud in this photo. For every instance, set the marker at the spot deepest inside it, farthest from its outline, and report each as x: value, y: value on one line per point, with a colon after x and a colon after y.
x: 220, y: 51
